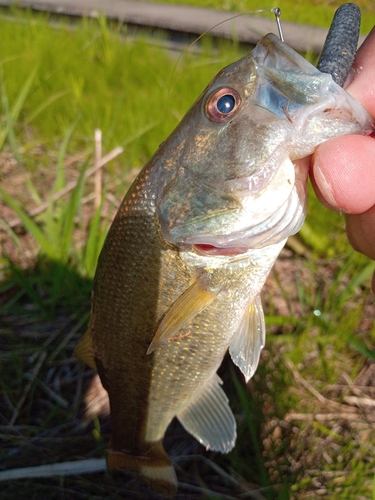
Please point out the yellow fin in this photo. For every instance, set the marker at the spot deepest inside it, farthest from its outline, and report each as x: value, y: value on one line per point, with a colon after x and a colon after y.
x: 193, y: 301
x: 155, y: 468
x: 84, y: 350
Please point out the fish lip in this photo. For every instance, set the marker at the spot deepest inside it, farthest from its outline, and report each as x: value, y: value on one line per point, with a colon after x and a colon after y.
x: 207, y: 249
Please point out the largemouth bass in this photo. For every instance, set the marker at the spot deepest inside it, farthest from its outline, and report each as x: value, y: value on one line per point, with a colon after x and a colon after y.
x: 180, y: 273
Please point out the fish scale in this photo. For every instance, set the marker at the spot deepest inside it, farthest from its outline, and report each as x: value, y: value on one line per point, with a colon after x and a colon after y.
x: 184, y: 262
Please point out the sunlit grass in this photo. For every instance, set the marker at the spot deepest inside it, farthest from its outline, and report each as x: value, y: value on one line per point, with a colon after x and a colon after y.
x: 315, y: 13
x: 99, y: 78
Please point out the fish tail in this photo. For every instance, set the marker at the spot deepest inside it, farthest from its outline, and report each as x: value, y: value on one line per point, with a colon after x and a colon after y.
x: 155, y: 468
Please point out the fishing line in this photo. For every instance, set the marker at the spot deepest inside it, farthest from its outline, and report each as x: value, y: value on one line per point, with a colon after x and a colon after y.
x: 276, y: 11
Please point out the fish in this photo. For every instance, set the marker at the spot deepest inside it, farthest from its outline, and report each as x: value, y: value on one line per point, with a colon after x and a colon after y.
x: 179, y: 277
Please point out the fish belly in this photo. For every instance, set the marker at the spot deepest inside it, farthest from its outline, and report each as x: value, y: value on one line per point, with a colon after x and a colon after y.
x: 186, y: 365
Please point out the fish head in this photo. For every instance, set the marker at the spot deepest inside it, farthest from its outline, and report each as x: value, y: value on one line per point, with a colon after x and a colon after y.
x: 230, y: 181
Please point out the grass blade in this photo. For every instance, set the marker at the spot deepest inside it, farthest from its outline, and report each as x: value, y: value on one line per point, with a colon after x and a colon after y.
x: 362, y: 348
x: 69, y: 215
x: 246, y: 403
x: 94, y: 244
x: 13, y: 114
x: 30, y: 225
x: 60, y: 174
x: 8, y: 131
x: 50, y: 100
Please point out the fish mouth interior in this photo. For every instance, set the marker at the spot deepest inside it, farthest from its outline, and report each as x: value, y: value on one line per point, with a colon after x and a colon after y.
x: 211, y: 250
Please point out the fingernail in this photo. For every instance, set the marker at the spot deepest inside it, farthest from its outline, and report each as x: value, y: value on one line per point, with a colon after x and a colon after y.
x: 324, y: 186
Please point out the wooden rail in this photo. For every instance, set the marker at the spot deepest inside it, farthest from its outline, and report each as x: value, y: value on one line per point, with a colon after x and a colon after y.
x: 185, y: 19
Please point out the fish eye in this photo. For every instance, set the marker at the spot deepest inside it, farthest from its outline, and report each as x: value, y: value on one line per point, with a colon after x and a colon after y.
x: 226, y: 103
x: 222, y: 104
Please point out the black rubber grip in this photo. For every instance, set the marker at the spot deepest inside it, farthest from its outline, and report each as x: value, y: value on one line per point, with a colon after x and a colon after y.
x: 341, y: 43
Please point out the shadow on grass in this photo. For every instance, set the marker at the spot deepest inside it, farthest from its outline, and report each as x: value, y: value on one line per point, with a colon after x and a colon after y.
x: 43, y: 314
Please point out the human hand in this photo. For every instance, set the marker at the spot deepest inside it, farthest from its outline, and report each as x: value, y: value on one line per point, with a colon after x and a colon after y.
x: 343, y: 169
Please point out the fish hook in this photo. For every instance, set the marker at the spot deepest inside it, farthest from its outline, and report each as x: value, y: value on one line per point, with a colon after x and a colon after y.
x: 277, y: 12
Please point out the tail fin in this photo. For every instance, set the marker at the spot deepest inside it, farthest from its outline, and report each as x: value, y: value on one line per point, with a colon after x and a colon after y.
x: 155, y: 468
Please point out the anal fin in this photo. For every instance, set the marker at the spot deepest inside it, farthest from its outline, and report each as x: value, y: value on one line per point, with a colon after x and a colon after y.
x: 249, y: 339
x: 209, y: 418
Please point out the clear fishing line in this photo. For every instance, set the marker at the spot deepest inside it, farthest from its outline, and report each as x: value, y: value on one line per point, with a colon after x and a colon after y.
x: 276, y: 11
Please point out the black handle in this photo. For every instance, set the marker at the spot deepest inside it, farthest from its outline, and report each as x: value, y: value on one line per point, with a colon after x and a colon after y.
x: 341, y: 43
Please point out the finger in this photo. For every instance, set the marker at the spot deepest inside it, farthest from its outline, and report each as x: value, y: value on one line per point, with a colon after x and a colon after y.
x: 362, y: 85
x: 343, y: 173
x: 361, y: 232
x: 343, y: 169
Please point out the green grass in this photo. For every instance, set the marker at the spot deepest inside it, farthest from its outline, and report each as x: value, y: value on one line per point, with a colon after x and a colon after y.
x: 89, y: 77
x: 59, y: 82
x: 316, y: 13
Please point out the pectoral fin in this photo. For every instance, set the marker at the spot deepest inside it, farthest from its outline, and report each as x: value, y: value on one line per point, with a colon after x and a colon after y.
x: 84, y: 350
x: 249, y: 339
x: 193, y: 301
x: 209, y: 418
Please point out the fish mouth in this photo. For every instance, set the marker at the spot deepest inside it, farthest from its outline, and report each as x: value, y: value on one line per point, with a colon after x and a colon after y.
x: 211, y: 250
x: 273, y: 229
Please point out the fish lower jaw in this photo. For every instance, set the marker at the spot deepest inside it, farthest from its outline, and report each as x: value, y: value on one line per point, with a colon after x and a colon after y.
x: 271, y: 231
x: 212, y: 257
x: 211, y: 250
